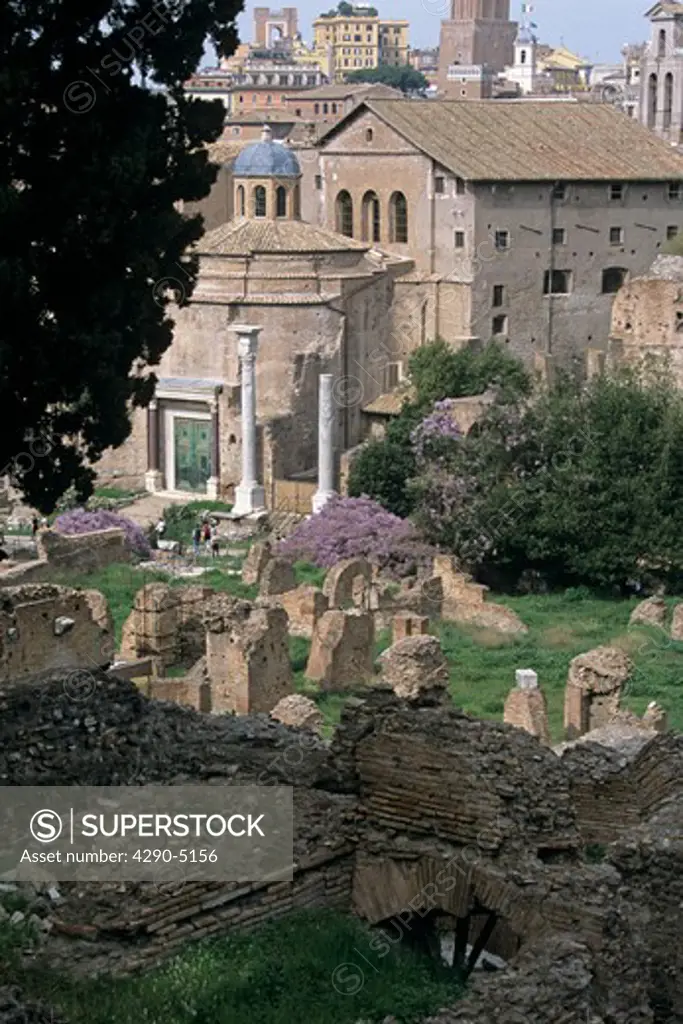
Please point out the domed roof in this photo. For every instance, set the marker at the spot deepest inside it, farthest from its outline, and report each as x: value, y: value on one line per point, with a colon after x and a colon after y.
x: 266, y: 159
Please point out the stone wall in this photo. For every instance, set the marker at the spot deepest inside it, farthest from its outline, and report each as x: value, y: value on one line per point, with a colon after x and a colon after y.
x: 44, y: 628
x: 81, y: 552
x: 415, y: 808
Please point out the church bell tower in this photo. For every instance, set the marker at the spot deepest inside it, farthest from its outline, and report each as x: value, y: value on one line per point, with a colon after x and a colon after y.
x: 479, y: 32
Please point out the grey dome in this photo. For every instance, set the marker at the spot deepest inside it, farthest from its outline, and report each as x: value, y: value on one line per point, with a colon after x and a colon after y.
x: 266, y: 159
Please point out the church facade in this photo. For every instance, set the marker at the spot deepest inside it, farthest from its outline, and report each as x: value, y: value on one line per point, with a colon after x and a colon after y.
x: 323, y: 303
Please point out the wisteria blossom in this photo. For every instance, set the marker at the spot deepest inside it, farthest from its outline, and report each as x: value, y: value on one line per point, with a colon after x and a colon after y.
x: 438, y: 427
x: 355, y: 527
x: 78, y: 520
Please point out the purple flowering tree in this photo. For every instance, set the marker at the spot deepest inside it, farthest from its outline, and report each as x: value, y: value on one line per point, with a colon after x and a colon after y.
x: 358, y: 527
x: 433, y: 438
x: 78, y: 520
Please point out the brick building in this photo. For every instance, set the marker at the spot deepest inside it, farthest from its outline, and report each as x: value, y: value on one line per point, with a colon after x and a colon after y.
x: 478, y: 32
x: 330, y: 102
x: 522, y: 218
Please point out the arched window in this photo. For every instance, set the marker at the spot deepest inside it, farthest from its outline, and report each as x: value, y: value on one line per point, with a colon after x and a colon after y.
x: 281, y: 201
x: 345, y: 214
x: 398, y: 218
x: 259, y: 201
x: 297, y: 202
x: 661, y: 52
x: 241, y: 207
x: 668, y: 98
x: 369, y: 134
x: 522, y: 57
x: 372, y: 218
x: 651, y: 100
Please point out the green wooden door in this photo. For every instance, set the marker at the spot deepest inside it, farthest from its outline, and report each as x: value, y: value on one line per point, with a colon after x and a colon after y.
x: 192, y: 454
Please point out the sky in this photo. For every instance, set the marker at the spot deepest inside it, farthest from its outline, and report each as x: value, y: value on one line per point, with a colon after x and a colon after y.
x: 595, y: 29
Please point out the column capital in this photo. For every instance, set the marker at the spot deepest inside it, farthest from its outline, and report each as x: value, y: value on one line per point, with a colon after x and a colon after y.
x: 247, y: 339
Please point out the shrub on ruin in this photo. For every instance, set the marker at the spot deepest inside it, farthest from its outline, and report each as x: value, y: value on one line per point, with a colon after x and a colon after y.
x: 358, y: 527
x: 79, y: 520
x: 438, y: 374
x: 585, y: 486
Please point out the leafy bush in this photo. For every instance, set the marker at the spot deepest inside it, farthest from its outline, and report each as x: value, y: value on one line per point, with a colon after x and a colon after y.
x: 438, y: 374
x: 357, y: 527
x: 79, y: 520
x: 585, y: 486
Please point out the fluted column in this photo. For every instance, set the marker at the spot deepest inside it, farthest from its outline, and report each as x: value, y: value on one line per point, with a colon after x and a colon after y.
x: 153, y: 474
x: 326, y: 417
x: 249, y: 496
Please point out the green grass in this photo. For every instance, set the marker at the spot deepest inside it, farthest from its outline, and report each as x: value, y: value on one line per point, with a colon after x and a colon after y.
x: 115, y: 493
x: 308, y: 574
x: 120, y: 582
x: 561, y: 626
x: 306, y: 966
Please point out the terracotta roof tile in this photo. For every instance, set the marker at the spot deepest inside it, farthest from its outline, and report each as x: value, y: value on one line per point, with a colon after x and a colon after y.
x: 242, y: 237
x: 513, y: 140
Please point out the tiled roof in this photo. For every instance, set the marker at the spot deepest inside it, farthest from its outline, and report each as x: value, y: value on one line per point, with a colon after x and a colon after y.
x: 243, y: 237
x: 345, y: 91
x: 513, y: 140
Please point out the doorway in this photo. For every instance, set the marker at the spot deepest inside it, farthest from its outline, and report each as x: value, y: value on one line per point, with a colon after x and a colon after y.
x: 192, y: 454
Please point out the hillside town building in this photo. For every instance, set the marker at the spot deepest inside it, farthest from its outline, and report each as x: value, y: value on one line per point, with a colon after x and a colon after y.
x: 350, y: 42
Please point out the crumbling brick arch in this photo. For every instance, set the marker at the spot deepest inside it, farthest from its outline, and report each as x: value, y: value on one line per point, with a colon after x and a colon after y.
x: 348, y: 584
x: 414, y: 900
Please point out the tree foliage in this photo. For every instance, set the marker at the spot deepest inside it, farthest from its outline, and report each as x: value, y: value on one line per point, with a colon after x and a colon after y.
x: 401, y: 76
x: 98, y: 147
x: 384, y: 468
x: 585, y: 486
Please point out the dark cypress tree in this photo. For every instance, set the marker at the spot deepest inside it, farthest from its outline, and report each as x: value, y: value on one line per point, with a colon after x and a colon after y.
x: 98, y: 144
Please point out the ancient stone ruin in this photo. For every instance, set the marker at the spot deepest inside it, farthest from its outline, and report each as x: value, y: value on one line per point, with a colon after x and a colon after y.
x: 342, y: 654
x: 419, y: 819
x: 247, y: 656
x: 44, y: 627
x: 526, y: 706
x: 463, y: 601
x: 593, y: 692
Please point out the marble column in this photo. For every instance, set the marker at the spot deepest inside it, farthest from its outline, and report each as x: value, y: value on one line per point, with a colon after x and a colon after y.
x: 213, y: 483
x: 326, y: 417
x: 249, y: 495
x: 153, y: 474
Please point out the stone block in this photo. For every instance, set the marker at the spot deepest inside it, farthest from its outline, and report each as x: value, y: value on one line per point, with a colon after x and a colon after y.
x: 304, y: 606
x: 651, y: 612
x: 415, y: 665
x: 44, y: 627
x: 406, y: 624
x: 342, y: 651
x: 677, y: 623
x: 247, y: 659
x: 299, y: 712
x: 593, y: 691
x: 526, y: 707
x: 348, y: 584
x: 277, y: 578
x: 258, y: 556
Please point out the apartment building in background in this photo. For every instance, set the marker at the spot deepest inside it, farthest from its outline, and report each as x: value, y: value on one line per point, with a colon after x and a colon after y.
x: 352, y: 42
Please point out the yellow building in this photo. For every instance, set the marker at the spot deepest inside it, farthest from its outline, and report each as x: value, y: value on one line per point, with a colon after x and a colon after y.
x: 353, y: 42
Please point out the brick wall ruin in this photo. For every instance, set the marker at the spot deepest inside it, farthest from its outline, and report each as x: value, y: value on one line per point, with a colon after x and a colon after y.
x: 415, y: 809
